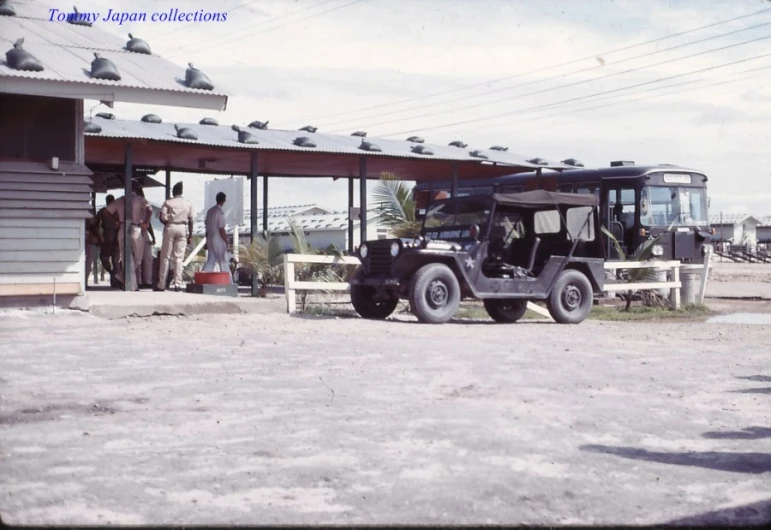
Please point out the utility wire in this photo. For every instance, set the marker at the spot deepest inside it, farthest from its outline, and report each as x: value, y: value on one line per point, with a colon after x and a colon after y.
x: 180, y: 28
x: 239, y: 36
x: 504, y: 89
x: 573, y: 61
x: 579, y: 98
x: 567, y: 113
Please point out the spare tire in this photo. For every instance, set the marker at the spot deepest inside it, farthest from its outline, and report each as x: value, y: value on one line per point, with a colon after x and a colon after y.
x: 506, y: 311
x: 20, y: 59
x: 194, y: 78
x: 138, y: 45
x: 102, y: 68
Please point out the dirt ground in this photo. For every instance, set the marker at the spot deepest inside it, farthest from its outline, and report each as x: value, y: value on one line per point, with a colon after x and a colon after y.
x: 728, y: 271
x: 272, y: 419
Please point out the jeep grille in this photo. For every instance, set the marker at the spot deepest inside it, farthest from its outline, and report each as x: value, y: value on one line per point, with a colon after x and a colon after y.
x: 380, y: 260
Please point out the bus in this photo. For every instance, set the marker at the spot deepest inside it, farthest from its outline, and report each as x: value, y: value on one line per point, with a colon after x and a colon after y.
x: 637, y: 203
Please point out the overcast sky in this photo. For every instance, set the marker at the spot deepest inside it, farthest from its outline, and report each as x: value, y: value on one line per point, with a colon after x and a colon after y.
x: 299, y: 62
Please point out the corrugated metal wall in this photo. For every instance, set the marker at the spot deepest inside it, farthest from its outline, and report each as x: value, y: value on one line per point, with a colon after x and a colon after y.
x: 42, y: 227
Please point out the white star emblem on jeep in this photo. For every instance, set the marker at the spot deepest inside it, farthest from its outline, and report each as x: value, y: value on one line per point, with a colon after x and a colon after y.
x: 469, y: 263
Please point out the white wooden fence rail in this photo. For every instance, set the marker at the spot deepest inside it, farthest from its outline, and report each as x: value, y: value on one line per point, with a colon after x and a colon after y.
x: 291, y: 284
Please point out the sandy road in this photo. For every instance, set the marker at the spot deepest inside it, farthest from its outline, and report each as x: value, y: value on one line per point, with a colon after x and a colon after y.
x: 274, y: 419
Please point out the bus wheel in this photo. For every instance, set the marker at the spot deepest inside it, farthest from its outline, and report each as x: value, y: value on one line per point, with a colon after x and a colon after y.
x: 505, y: 311
x: 571, y: 298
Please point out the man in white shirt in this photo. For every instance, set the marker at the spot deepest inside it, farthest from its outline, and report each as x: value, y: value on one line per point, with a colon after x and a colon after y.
x: 141, y: 213
x: 216, y: 238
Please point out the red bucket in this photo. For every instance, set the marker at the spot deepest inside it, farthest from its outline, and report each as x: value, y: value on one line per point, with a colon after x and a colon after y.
x: 216, y: 278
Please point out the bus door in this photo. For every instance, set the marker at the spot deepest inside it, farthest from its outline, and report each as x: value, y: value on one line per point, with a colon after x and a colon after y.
x: 618, y: 215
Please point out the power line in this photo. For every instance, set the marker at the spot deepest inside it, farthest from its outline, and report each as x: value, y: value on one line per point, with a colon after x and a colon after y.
x: 210, y: 47
x: 180, y: 28
x: 584, y: 81
x: 504, y: 89
x: 589, y: 57
x: 529, y: 109
x: 562, y: 114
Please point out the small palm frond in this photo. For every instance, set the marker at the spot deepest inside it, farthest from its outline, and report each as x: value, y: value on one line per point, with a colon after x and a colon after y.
x: 394, y: 199
x: 615, y: 242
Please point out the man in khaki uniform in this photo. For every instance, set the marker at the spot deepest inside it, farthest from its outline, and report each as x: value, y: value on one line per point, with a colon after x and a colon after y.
x: 141, y: 212
x: 175, y: 214
x: 145, y: 273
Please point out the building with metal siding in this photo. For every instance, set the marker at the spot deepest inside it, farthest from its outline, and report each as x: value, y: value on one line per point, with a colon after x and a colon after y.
x: 45, y: 186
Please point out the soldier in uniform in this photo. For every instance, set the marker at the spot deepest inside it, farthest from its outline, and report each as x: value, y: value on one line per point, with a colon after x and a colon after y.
x: 109, y: 250
x: 140, y: 220
x: 216, y: 238
x: 145, y: 274
x: 175, y: 214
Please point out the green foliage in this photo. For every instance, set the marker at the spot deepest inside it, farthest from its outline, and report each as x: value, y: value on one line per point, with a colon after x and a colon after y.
x: 394, y: 199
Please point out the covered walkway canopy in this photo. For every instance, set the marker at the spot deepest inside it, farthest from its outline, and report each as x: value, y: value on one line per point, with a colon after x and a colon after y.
x: 112, y: 145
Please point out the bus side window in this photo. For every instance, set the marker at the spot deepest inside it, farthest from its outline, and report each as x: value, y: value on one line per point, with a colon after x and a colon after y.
x: 565, y: 188
x: 588, y: 190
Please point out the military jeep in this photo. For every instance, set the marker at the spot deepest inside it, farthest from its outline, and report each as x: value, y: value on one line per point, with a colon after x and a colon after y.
x: 503, y: 249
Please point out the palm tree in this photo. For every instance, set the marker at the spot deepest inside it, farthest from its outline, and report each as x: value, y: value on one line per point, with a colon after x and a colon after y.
x: 397, y: 206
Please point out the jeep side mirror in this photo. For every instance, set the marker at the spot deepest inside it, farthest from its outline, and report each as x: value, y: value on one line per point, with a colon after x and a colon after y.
x: 474, y: 232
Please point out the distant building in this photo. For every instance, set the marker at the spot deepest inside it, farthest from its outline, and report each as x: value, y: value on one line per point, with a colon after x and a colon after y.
x: 737, y: 229
x: 322, y: 227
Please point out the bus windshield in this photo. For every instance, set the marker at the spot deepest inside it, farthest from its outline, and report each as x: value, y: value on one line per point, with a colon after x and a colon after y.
x: 673, y: 206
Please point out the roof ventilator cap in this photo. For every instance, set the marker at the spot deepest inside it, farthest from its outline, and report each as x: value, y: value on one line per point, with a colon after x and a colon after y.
x: 92, y: 128
x: 6, y: 10
x: 245, y: 137
x: 304, y: 141
x: 359, y: 133
x: 20, y: 59
x: 369, y: 146
x: 79, y: 19
x: 208, y: 121
x: 258, y: 125
x: 422, y: 150
x: 185, y: 133
x: 572, y: 162
x: 499, y: 148
x: 415, y: 139
x: 479, y: 154
x: 106, y: 115
x: 102, y: 68
x: 138, y: 45
x: 194, y: 78
x: 309, y: 128
x: 458, y: 143
x: 539, y: 161
x: 151, y: 118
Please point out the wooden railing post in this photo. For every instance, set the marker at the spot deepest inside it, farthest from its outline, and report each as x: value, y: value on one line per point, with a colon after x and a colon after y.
x: 674, y: 293
x: 291, y: 299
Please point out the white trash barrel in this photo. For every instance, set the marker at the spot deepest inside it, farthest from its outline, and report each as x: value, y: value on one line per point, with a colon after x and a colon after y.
x: 662, y: 275
x: 689, y: 290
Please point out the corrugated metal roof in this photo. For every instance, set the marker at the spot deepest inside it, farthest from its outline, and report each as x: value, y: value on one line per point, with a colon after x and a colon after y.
x: 274, y: 139
x: 733, y: 218
x: 279, y: 222
x: 66, y: 50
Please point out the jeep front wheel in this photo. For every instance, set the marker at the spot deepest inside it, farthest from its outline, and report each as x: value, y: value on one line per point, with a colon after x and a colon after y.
x: 372, y: 304
x: 434, y: 294
x: 506, y: 311
x: 571, y: 299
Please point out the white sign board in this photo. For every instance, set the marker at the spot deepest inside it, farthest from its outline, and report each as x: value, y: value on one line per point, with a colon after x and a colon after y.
x: 233, y: 188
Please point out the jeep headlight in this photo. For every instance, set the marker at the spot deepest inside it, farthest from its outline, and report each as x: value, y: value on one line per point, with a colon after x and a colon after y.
x: 363, y: 250
x: 394, y: 249
x: 657, y: 250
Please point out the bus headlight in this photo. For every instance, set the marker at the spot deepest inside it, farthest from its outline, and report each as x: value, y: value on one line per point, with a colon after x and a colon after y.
x: 657, y: 250
x: 394, y: 249
x: 363, y: 250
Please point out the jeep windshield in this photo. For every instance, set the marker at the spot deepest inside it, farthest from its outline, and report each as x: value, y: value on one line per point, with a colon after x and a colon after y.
x: 452, y: 220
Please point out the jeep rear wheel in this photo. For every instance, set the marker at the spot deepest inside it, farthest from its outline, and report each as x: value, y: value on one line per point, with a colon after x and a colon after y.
x: 371, y: 303
x: 506, y: 311
x: 571, y: 299
x: 434, y: 293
